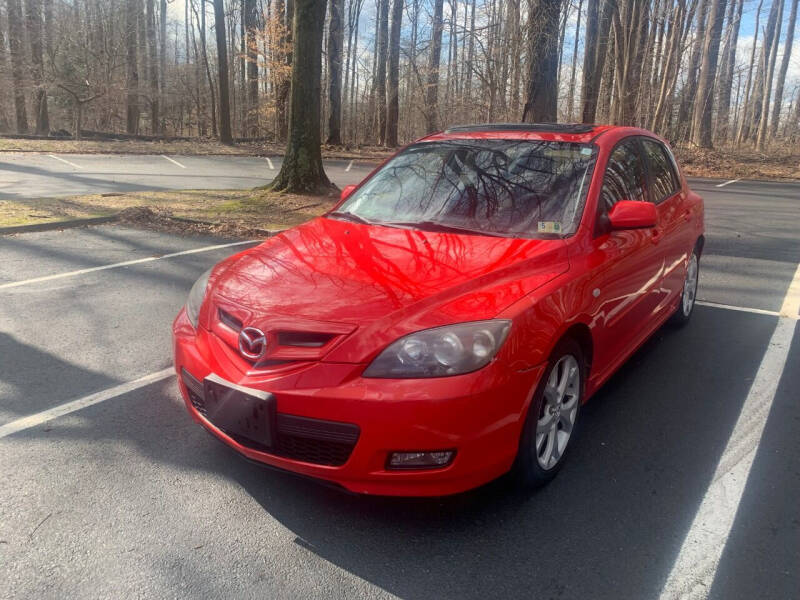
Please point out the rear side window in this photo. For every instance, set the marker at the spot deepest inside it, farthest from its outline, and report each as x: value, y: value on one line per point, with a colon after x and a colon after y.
x: 665, y: 180
x: 624, y: 178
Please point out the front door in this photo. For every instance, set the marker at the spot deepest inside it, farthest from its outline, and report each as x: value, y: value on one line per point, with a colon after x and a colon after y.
x: 626, y: 267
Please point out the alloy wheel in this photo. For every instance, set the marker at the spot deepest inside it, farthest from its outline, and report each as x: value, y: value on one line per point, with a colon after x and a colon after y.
x: 558, y: 412
x: 690, y: 286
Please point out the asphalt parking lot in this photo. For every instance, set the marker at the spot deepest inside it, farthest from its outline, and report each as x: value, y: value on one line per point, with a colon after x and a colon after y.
x: 27, y: 175
x: 667, y: 493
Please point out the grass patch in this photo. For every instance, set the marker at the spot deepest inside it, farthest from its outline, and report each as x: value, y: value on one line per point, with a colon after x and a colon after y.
x: 232, y: 212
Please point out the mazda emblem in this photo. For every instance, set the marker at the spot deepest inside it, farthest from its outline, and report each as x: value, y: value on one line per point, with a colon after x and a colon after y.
x: 252, y: 343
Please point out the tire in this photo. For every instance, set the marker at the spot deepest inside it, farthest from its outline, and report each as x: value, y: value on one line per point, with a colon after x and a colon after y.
x: 539, y: 457
x: 685, y: 308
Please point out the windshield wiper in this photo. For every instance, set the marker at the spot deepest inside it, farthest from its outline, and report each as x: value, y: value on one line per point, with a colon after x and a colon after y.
x: 348, y: 216
x: 442, y: 227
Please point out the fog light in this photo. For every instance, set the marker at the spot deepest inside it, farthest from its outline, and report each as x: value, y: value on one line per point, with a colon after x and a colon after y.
x: 420, y: 460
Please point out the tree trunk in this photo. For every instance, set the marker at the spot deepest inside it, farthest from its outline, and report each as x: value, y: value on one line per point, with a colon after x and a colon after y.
x: 432, y: 84
x: 162, y: 61
x: 704, y: 100
x: 690, y: 87
x: 598, y: 24
x: 728, y: 66
x: 222, y: 69
x: 152, y: 65
x: 787, y: 54
x: 335, y: 44
x: 380, y: 74
x: 15, y: 43
x: 282, y: 94
x: 744, y: 123
x: 470, y: 51
x: 251, y: 48
x: 212, y: 92
x: 302, y: 170
x: 571, y: 89
x: 393, y: 107
x: 771, y: 40
x: 132, y: 76
x: 542, y: 101
x: 34, y: 17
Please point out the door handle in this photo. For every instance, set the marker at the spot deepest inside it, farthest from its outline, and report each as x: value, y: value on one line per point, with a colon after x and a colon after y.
x: 688, y: 215
x: 655, y: 235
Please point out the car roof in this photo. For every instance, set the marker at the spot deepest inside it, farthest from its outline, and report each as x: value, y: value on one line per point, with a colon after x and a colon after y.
x: 566, y: 132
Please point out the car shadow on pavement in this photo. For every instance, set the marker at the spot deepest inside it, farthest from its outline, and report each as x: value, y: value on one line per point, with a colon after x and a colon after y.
x: 609, y: 526
x: 27, y: 375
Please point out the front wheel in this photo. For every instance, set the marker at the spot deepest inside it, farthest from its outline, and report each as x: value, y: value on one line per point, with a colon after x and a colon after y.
x: 689, y: 293
x: 552, y: 417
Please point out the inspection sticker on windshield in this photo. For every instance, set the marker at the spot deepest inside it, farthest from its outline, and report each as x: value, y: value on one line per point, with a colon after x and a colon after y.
x: 549, y: 227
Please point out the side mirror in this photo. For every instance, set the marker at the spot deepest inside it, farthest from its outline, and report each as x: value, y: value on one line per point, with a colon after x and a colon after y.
x: 347, y: 190
x: 632, y: 214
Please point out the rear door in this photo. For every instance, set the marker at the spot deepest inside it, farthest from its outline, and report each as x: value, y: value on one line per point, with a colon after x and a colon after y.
x: 669, y: 197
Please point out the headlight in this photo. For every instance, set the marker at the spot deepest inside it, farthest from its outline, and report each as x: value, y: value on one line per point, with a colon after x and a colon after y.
x: 442, y: 351
x: 196, y: 297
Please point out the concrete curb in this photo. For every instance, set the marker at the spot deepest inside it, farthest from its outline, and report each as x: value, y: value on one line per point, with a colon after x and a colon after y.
x: 57, y: 225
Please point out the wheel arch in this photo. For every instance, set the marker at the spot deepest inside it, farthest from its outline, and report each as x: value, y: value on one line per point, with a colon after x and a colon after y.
x: 582, y: 334
x: 701, y: 241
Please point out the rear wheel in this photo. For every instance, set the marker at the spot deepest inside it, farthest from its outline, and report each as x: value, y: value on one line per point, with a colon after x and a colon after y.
x: 552, y: 417
x: 689, y: 293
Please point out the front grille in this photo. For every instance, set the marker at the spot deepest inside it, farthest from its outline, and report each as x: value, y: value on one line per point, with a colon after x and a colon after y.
x: 308, y: 440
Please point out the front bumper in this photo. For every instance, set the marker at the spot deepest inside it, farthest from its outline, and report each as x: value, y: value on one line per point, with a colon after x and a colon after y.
x: 479, y: 415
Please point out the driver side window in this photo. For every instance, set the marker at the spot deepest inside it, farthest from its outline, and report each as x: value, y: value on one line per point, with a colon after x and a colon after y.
x: 624, y: 179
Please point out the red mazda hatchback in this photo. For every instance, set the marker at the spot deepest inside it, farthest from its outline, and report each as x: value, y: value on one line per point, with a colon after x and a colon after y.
x: 444, y: 323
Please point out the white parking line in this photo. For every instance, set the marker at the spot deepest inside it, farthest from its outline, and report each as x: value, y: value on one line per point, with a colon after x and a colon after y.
x: 64, y: 160
x: 747, y: 309
x: 173, y: 161
x: 694, y: 569
x: 72, y: 406
x: 127, y: 263
x: 269, y: 164
x: 349, y: 166
x: 791, y: 302
x: 727, y: 182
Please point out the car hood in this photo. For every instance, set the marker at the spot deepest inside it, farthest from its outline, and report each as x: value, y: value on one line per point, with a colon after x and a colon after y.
x: 383, y: 281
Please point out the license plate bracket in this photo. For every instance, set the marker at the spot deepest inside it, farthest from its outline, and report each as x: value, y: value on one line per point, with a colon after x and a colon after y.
x: 240, y: 411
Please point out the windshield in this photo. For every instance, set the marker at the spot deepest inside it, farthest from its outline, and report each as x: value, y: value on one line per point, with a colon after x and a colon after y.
x: 518, y: 188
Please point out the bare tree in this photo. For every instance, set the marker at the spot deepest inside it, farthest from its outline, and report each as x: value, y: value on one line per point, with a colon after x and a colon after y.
x: 222, y: 69
x: 152, y: 64
x: 598, y: 24
x: 132, y: 84
x: 251, y: 23
x: 726, y: 71
x: 771, y: 41
x: 380, y: 71
x: 701, y: 117
x: 335, y: 44
x: 15, y: 45
x: 33, y: 9
x: 393, y: 106
x: 787, y: 53
x: 432, y: 85
x: 285, y: 9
